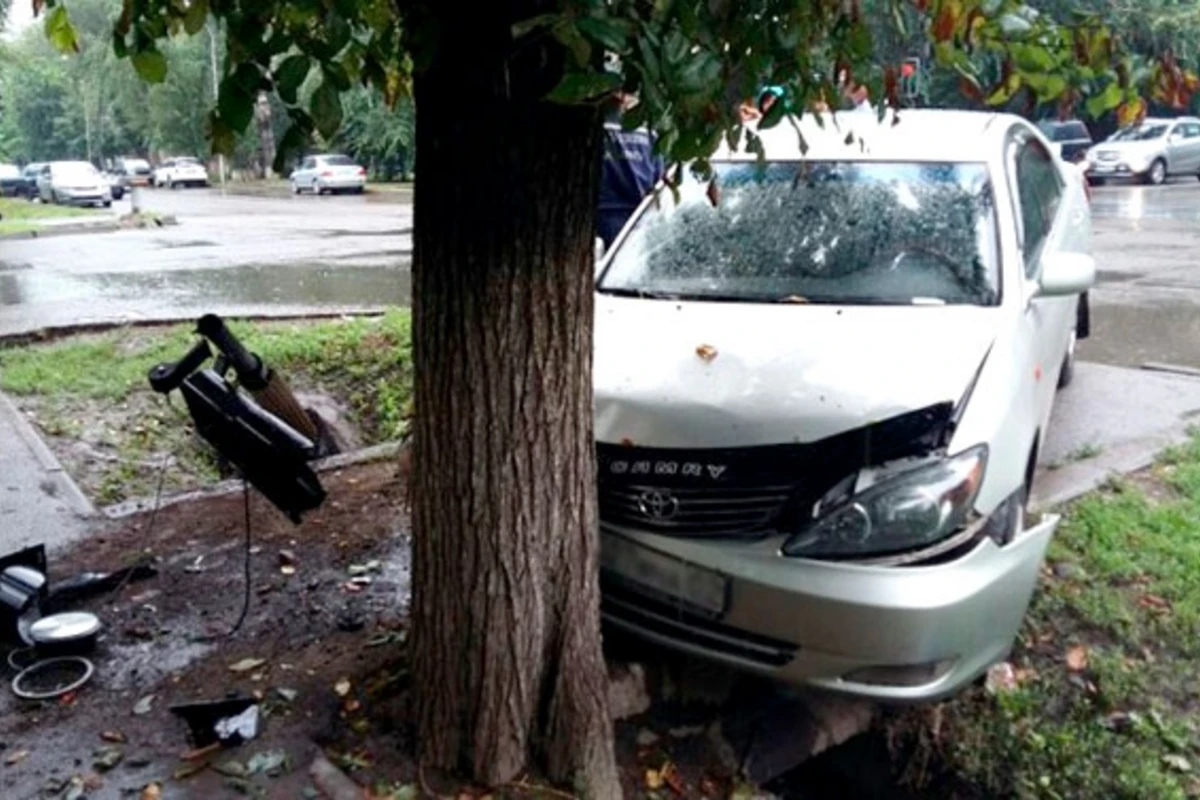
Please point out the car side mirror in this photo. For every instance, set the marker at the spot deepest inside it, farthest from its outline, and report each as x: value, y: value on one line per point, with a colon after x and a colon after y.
x: 1066, y: 274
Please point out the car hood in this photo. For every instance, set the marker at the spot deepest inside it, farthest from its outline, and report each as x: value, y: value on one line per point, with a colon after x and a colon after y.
x: 707, y: 374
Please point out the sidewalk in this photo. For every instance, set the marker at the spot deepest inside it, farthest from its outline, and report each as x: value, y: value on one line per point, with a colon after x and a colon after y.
x: 39, y: 503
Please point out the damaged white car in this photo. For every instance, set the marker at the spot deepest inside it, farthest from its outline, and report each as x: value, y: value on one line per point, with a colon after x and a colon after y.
x: 821, y: 383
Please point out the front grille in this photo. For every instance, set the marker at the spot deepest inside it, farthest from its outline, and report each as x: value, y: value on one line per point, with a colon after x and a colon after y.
x: 633, y: 612
x: 1106, y: 155
x: 709, y: 511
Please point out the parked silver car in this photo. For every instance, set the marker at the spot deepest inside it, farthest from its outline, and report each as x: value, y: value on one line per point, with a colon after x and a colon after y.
x: 1151, y: 150
x: 75, y: 183
x: 329, y: 173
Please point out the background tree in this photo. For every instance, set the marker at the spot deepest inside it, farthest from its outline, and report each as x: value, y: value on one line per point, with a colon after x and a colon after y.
x: 505, y: 628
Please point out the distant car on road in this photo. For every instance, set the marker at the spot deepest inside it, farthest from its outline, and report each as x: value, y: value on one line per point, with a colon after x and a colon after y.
x: 116, y: 184
x: 10, y: 180
x: 1151, y: 151
x: 184, y: 171
x: 1070, y: 138
x: 75, y: 183
x: 329, y: 173
x: 134, y: 171
x: 821, y: 384
x: 27, y: 187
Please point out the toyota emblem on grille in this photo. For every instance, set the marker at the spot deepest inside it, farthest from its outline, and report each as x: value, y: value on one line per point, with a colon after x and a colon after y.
x: 658, y: 505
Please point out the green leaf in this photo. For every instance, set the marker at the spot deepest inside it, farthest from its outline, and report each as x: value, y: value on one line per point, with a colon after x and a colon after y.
x: 533, y: 23
x: 337, y: 32
x: 151, y: 65
x: 195, y: 16
x: 120, y: 49
x: 289, y: 75
x: 326, y: 108
x: 611, y: 34
x: 60, y: 31
x: 1107, y: 100
x: 576, y: 87
x: 336, y: 74
x: 701, y: 72
x: 291, y: 144
x: 235, y: 104
x: 571, y: 38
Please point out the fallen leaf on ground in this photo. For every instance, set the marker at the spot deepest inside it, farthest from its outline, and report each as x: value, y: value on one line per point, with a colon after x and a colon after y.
x: 113, y: 736
x: 231, y: 769
x: 342, y: 687
x: 673, y: 779
x: 287, y: 558
x: 1177, y: 763
x: 93, y: 782
x: 247, y: 664
x: 17, y: 757
x: 709, y: 787
x: 151, y: 791
x: 653, y: 779
x: 1000, y: 678
x: 706, y: 352
x: 144, y: 706
x: 351, y: 705
x: 352, y: 587
x: 1077, y: 658
x: 75, y: 789
x: 287, y: 569
x: 288, y: 695
x: 268, y: 762
x: 106, y: 758
x: 1154, y: 603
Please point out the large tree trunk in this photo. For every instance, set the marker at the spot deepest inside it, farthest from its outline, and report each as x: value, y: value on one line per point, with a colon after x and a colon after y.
x: 506, y: 625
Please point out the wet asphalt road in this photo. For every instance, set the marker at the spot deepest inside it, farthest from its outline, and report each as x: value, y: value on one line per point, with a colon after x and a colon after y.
x: 230, y: 254
x: 1146, y: 307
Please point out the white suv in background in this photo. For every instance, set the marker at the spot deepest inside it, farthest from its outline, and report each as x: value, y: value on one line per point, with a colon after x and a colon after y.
x: 185, y: 171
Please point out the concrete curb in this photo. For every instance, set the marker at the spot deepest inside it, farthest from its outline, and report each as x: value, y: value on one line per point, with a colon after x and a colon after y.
x: 1056, y: 487
x: 77, y: 229
x: 366, y: 455
x: 53, y: 332
x: 70, y: 491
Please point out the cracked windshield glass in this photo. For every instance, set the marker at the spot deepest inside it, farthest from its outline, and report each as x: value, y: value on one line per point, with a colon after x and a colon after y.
x: 833, y: 232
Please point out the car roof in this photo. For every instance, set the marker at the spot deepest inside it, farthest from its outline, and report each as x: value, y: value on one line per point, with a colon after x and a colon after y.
x: 1167, y: 120
x: 329, y: 155
x: 906, y: 135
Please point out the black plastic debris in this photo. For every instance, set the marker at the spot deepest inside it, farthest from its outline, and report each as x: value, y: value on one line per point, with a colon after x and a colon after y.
x: 230, y: 722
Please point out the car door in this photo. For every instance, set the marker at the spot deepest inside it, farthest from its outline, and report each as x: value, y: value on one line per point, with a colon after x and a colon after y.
x: 305, y: 173
x: 45, y: 184
x: 1047, y: 209
x: 1191, y: 147
x: 1177, y: 156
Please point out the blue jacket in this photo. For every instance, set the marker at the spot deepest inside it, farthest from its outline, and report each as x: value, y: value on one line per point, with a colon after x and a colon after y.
x: 629, y: 172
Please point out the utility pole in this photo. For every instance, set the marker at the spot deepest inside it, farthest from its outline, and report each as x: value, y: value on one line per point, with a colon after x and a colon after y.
x: 216, y: 85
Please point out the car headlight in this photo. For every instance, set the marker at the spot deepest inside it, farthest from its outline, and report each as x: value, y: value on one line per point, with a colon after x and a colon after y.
x: 907, y: 512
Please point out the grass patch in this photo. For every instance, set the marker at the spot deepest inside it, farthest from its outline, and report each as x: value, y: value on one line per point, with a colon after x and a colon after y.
x: 22, y: 216
x: 1124, y: 585
x: 89, y: 395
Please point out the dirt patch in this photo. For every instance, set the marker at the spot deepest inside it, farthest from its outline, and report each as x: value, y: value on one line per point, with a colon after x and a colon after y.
x: 163, y: 637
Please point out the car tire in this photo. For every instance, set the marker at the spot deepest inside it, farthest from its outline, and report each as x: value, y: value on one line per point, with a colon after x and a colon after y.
x: 108, y: 203
x: 295, y: 188
x: 1157, y: 174
x: 1066, y: 373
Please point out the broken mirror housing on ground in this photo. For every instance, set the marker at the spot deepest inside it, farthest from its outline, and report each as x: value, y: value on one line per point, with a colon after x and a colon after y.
x: 270, y: 444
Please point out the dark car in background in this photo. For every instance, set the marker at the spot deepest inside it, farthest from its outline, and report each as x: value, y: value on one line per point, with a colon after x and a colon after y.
x: 27, y: 187
x: 10, y: 180
x: 133, y: 171
x: 1070, y: 137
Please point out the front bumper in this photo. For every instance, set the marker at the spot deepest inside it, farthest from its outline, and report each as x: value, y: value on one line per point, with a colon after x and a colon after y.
x: 83, y: 199
x: 818, y: 623
x: 1115, y: 169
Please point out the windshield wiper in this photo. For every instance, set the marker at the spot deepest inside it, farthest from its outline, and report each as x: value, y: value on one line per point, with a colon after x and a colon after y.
x: 644, y: 294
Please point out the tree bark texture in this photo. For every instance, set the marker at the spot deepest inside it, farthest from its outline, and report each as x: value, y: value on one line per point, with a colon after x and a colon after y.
x: 266, y: 135
x: 506, y: 624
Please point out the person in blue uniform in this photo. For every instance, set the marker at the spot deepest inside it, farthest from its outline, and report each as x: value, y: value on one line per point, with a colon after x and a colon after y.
x: 629, y: 172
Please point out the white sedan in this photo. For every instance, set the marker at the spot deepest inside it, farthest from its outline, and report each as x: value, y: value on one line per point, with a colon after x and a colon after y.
x: 821, y: 384
x: 329, y: 173
x: 184, y: 171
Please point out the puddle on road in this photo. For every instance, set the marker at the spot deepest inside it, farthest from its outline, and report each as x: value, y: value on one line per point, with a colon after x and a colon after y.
x: 275, y: 284
x: 1131, y: 335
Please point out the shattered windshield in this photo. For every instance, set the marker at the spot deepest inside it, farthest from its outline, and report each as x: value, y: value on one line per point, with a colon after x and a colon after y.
x: 877, y: 233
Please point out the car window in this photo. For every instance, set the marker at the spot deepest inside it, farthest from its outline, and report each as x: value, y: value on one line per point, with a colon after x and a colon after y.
x: 309, y: 163
x: 338, y: 161
x: 845, y: 232
x: 1191, y: 130
x: 1141, y: 133
x: 1039, y: 191
x: 1076, y: 131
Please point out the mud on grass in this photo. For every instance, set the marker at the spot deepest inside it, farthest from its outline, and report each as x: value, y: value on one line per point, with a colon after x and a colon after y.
x: 89, y: 397
x: 1107, y: 695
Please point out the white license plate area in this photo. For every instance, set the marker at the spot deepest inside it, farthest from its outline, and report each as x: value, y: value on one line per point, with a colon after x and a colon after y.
x: 665, y: 575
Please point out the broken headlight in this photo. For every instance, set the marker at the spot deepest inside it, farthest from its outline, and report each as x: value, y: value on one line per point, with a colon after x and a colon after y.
x: 912, y: 510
